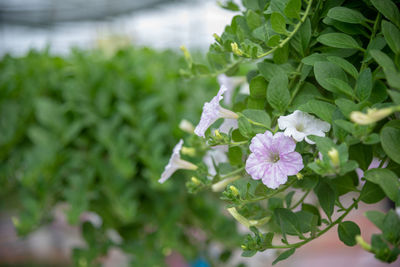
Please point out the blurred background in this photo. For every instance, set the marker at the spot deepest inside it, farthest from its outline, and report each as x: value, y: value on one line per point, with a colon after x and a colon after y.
x: 90, y: 103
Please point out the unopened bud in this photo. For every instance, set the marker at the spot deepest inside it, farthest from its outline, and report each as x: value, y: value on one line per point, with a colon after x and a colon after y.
x: 195, y: 181
x: 187, y: 55
x: 334, y: 156
x: 373, y: 115
x: 217, y: 38
x: 234, y: 190
x: 364, y: 245
x: 243, y: 246
x: 236, y: 50
x: 190, y: 151
x: 186, y: 126
x: 217, y: 134
x: 299, y: 176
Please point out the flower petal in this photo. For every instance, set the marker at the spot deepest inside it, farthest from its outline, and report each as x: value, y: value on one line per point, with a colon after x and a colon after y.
x: 256, y: 167
x: 261, y: 143
x: 291, y: 163
x: 282, y: 143
x: 274, y: 177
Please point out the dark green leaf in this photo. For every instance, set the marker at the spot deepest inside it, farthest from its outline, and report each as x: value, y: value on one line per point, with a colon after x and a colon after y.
x: 278, y: 23
x: 347, y: 15
x: 258, y: 87
x: 390, y: 139
x: 371, y: 193
x: 386, y: 179
x: 292, y: 9
x: 325, y: 70
x: 364, y: 84
x: 286, y: 254
x: 345, y: 65
x: 347, y: 232
x: 338, y: 40
x: 392, y: 36
x: 326, y: 197
x: 278, y: 95
x: 388, y: 9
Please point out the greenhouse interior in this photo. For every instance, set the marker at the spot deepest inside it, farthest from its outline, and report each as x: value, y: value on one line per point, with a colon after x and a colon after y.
x: 200, y: 133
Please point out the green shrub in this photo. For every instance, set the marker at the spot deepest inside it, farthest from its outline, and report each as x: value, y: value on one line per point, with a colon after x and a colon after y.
x: 96, y: 132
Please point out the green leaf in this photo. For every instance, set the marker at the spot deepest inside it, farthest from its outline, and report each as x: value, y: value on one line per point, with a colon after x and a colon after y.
x: 326, y: 197
x: 364, y: 85
x: 395, y: 96
x: 325, y: 70
x: 278, y: 23
x: 258, y: 87
x: 391, y: 73
x: 286, y: 254
x: 235, y: 155
x: 249, y: 253
x: 376, y: 217
x: 253, y: 19
x: 390, y: 227
x: 259, y: 116
x: 322, y: 109
x: 341, y: 86
x: 288, y: 221
x: 371, y: 193
x: 269, y: 70
x: 392, y: 36
x: 338, y: 40
x: 345, y: 65
x: 347, y: 232
x: 278, y: 95
x: 313, y: 58
x: 345, y: 183
x: 388, y: 9
x: 386, y: 179
x: 347, y: 15
x: 313, y: 210
x: 292, y: 9
x: 390, y: 139
x: 245, y: 127
x: 302, y: 38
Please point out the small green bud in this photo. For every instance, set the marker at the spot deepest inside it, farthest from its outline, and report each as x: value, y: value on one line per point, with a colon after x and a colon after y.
x: 195, y: 181
x: 218, y: 134
x: 334, y: 156
x: 217, y: 38
x: 187, y: 55
x: 243, y: 247
x: 299, y: 176
x: 186, y: 126
x: 190, y: 151
x: 234, y: 190
x: 236, y: 50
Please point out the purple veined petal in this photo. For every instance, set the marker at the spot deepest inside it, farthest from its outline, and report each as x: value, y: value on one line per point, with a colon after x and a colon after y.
x: 168, y: 171
x: 261, y: 142
x: 256, y: 167
x: 283, y: 143
x: 274, y: 177
x: 291, y: 163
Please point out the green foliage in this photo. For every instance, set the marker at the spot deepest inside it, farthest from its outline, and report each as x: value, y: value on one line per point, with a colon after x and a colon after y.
x: 95, y: 132
x: 339, y: 61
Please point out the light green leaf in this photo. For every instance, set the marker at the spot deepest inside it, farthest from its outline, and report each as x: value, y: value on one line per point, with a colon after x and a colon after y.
x: 278, y: 23
x: 259, y: 116
x: 292, y: 9
x: 278, y: 95
x: 338, y: 40
x: 269, y: 70
x: 347, y: 15
x: 322, y: 109
x: 392, y: 75
x: 286, y: 254
x: 376, y: 217
x: 258, y: 87
x: 341, y: 86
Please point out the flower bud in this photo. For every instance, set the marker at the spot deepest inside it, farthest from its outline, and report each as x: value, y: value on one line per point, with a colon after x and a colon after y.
x: 217, y: 38
x: 234, y: 190
x: 186, y: 126
x: 218, y: 134
x: 187, y: 55
x: 373, y: 115
x: 190, y: 151
x: 195, y: 180
x: 299, y: 176
x: 334, y: 156
x: 236, y: 50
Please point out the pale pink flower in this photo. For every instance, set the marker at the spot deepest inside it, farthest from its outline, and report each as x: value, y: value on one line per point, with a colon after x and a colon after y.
x: 212, y: 111
x: 175, y: 163
x: 273, y: 159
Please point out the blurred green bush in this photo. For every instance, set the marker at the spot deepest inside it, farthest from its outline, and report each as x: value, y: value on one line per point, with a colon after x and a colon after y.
x: 96, y: 132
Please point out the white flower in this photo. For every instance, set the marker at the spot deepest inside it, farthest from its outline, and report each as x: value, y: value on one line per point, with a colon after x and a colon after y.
x: 299, y: 125
x: 227, y: 125
x: 215, y: 155
x: 175, y: 163
x: 212, y: 111
x: 186, y: 126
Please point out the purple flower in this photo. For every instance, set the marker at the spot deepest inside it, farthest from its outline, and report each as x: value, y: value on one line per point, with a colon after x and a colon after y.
x: 212, y: 111
x: 175, y: 163
x: 273, y: 159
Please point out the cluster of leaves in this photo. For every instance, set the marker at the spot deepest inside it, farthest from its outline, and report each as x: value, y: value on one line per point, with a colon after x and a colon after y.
x: 95, y: 132
x: 332, y: 59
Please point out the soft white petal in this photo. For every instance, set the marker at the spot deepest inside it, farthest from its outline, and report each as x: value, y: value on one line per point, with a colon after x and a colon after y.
x: 274, y: 177
x: 256, y: 167
x: 261, y: 142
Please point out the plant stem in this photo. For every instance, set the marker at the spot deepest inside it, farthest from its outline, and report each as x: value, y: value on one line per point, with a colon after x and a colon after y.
x: 301, y: 199
x: 296, y: 28
x: 337, y: 221
x: 374, y: 30
x: 283, y: 188
x: 232, y: 173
